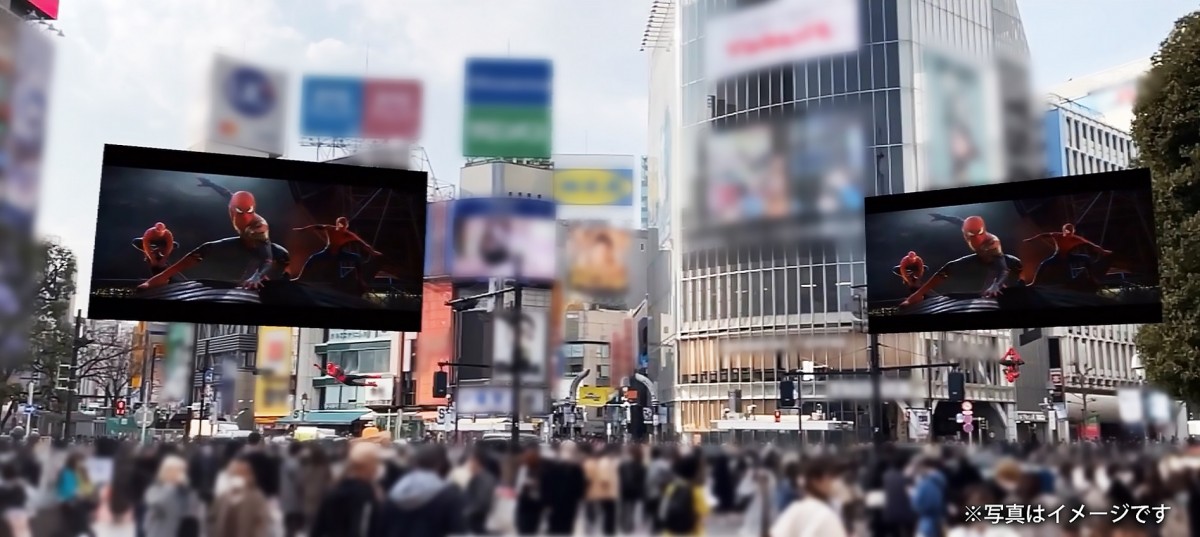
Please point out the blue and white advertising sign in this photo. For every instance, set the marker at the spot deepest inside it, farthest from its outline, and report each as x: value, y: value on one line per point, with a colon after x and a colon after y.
x: 249, y: 106
x: 509, y: 82
x: 332, y: 107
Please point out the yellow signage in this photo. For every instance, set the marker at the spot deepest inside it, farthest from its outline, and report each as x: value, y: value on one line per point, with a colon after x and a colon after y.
x: 272, y: 385
x: 594, y: 187
x: 593, y: 396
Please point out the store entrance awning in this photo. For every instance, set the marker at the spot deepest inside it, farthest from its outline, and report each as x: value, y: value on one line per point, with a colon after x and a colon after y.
x: 326, y: 417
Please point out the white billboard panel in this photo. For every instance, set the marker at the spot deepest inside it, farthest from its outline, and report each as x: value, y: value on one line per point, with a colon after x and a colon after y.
x: 248, y: 107
x: 778, y: 33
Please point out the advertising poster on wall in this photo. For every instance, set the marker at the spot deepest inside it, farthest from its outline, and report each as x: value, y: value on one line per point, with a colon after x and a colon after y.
x: 528, y: 353
x: 177, y: 379
x: 248, y: 106
x: 437, y: 239
x: 598, y: 259
x: 24, y: 145
x: 1055, y: 252
x: 273, y: 382
x: 497, y: 237
x: 592, y: 186
x: 507, y: 108
x: 956, y: 144
x: 779, y: 32
x: 342, y: 248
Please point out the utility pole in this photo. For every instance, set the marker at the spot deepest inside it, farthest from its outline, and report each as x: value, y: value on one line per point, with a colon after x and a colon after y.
x: 518, y: 360
x: 77, y: 344
x: 876, y: 373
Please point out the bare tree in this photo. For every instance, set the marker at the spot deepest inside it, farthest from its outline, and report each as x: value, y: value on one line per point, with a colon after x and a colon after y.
x: 51, y: 334
x: 108, y: 359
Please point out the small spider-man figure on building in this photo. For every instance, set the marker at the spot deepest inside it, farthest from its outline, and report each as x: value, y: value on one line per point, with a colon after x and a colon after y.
x: 253, y: 238
x: 986, y: 250
x: 910, y: 270
x: 156, y: 246
x: 1012, y: 363
x: 336, y: 372
x: 337, y: 238
x: 1067, y: 246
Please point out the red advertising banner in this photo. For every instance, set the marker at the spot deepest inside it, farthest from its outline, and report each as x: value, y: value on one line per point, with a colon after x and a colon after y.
x: 391, y: 109
x: 49, y: 8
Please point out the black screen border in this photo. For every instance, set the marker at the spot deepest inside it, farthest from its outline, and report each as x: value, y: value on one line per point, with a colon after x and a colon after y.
x: 1136, y: 179
x: 132, y: 309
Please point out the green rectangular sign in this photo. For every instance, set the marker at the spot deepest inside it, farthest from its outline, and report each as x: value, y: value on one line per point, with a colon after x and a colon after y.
x: 507, y: 131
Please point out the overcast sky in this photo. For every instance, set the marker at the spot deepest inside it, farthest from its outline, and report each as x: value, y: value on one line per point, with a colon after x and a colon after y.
x: 132, y: 71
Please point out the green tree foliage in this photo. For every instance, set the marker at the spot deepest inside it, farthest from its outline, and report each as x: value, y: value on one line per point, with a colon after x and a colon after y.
x: 50, y: 330
x: 1166, y: 129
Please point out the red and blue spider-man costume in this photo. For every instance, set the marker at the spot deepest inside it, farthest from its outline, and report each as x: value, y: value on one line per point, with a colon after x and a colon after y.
x: 336, y: 372
x: 337, y: 238
x: 253, y: 240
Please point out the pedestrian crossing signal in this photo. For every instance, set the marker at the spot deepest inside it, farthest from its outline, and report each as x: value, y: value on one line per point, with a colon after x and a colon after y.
x: 119, y: 408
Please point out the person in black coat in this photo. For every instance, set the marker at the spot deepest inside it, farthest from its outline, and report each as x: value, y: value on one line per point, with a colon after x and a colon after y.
x: 899, y: 518
x: 423, y: 503
x: 632, y: 482
x: 481, y: 490
x: 564, y: 486
x: 353, y: 508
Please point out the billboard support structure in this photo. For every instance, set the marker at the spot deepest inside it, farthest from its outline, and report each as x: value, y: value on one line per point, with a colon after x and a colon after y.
x: 331, y: 148
x: 518, y: 288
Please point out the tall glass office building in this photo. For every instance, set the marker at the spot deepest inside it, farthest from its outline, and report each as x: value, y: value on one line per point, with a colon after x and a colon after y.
x: 758, y: 291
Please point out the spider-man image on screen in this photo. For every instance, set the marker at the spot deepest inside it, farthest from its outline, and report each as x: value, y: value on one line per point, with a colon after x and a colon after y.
x: 1056, y: 252
x: 239, y: 240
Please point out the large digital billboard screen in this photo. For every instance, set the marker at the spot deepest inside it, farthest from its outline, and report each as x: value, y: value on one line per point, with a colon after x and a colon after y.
x: 809, y: 167
x: 503, y: 238
x: 1055, y: 252
x: 204, y: 238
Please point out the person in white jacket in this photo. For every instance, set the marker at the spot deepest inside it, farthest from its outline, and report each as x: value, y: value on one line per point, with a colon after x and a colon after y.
x: 814, y: 514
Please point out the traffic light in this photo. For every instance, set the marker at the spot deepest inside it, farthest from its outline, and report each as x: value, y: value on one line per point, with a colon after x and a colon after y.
x: 787, y: 394
x: 956, y: 386
x: 119, y: 407
x: 441, y: 384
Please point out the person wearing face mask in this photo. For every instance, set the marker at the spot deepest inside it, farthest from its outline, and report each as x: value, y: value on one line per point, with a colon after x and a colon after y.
x: 428, y: 505
x: 813, y: 515
x: 240, y: 509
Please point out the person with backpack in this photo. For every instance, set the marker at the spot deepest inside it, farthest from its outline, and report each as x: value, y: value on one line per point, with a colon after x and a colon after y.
x: 632, y: 477
x: 685, y: 502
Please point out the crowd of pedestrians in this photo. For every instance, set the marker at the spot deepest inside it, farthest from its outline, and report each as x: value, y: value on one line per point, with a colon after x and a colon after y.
x: 375, y: 488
